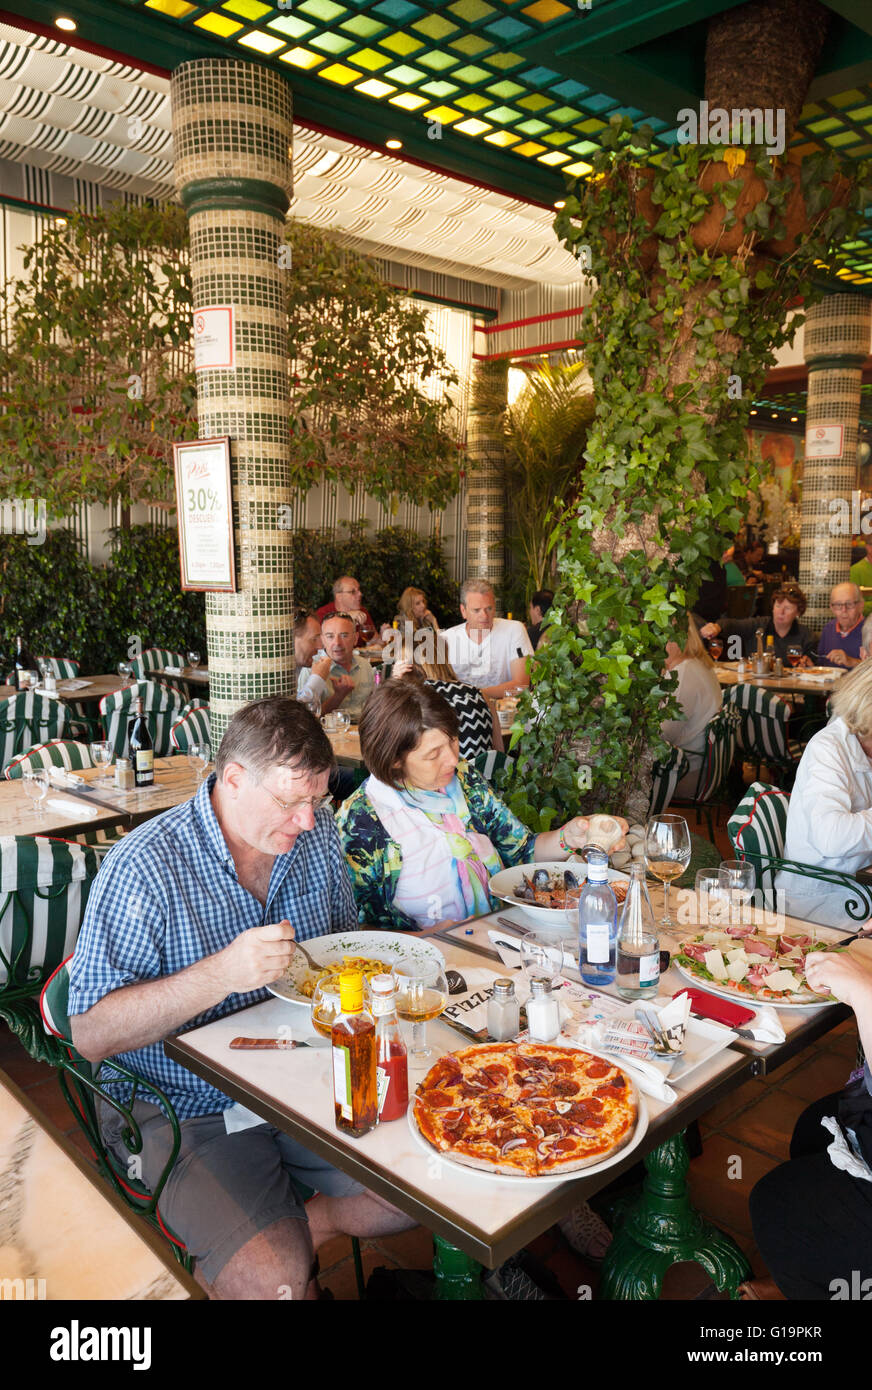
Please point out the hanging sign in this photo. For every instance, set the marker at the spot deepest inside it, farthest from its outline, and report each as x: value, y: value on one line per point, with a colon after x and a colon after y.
x: 205, y: 512
x: 824, y: 441
x: 213, y: 337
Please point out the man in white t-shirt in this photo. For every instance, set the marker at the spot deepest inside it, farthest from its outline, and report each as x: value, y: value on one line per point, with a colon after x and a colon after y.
x: 487, y: 651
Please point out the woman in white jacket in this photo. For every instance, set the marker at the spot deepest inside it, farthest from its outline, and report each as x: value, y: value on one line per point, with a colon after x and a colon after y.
x: 829, y: 823
x: 699, y: 696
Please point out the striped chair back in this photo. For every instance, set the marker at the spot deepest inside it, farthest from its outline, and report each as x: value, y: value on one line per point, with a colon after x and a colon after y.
x: 193, y: 727
x: 762, y: 728
x: 62, y: 753
x: 758, y: 828
x: 490, y: 763
x: 28, y: 718
x: 666, y: 776
x: 62, y: 667
x: 44, y: 888
x: 720, y: 749
x: 155, y: 659
x: 160, y: 706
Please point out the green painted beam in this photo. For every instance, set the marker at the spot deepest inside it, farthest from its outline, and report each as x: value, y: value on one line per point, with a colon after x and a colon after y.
x: 161, y: 43
x: 614, y: 26
x: 857, y: 12
x: 846, y: 60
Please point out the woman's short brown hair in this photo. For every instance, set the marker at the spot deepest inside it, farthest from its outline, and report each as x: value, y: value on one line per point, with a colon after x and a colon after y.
x: 393, y: 720
x: 793, y: 594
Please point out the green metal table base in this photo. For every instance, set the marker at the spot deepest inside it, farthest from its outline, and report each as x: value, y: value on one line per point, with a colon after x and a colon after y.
x: 458, y: 1276
x: 661, y: 1229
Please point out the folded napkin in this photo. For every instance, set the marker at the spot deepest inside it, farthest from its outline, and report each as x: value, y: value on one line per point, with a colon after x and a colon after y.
x: 765, y: 1025
x: 172, y: 670
x: 508, y: 948
x: 63, y: 778
x: 64, y: 806
x: 72, y: 685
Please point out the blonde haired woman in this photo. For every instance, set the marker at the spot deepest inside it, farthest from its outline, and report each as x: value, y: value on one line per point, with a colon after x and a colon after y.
x: 829, y: 821
x: 699, y: 696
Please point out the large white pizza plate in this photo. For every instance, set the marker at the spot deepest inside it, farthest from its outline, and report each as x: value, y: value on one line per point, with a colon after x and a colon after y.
x: 504, y: 883
x: 394, y: 949
x: 750, y: 1001
x: 546, y: 1179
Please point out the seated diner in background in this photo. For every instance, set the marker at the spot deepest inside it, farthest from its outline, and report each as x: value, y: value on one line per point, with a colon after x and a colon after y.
x: 347, y: 598
x: 861, y: 575
x: 477, y: 721
x: 351, y: 675
x: 189, y: 920
x: 829, y: 819
x: 739, y: 635
x: 539, y: 605
x: 425, y: 832
x: 700, y: 698
x: 487, y: 651
x: 412, y: 615
x: 839, y: 643
x: 314, y: 686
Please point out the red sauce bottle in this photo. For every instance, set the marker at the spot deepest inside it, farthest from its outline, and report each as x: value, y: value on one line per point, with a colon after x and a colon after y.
x: 390, y: 1051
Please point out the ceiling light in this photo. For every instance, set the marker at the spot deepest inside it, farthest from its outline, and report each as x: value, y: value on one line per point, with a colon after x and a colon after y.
x: 65, y: 23
x: 561, y: 203
x: 753, y: 412
x: 60, y: 221
x: 394, y: 144
x: 775, y: 415
x: 793, y: 419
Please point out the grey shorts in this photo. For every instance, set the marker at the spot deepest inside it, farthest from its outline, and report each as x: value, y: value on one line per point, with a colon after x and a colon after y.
x: 223, y: 1188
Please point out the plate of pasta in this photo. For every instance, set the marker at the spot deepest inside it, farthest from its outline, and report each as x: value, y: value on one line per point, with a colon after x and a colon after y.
x: 370, y: 952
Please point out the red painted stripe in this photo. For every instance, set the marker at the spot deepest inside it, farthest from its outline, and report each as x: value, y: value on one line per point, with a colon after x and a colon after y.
x: 522, y: 323
x: 526, y: 352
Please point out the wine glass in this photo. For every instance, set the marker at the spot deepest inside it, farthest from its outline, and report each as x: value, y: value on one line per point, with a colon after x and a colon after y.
x: 125, y: 671
x: 193, y: 659
x: 422, y: 993
x: 36, y: 787
x: 325, y: 1005
x: 542, y: 958
x: 794, y: 655
x: 667, y: 854
x: 309, y: 698
x: 737, y: 879
x: 716, y: 648
x: 199, y: 756
x: 343, y: 721
x: 101, y: 752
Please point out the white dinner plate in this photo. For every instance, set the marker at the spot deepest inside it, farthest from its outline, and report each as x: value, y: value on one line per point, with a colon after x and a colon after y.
x: 749, y: 1001
x: 503, y: 885
x: 391, y: 947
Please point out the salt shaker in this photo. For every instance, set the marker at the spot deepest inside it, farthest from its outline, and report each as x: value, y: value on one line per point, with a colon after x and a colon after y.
x: 543, y: 1012
x: 503, y: 1012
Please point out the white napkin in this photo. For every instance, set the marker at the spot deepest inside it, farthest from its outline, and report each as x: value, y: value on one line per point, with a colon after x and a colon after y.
x: 509, y: 955
x: 73, y: 685
x: 63, y: 778
x: 172, y: 670
x: 61, y: 804
x: 765, y: 1025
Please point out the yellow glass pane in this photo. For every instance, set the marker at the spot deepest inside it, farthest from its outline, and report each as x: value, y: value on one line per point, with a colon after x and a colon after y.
x: 471, y: 10
x: 443, y: 114
x: 339, y: 73
x: 471, y: 45
x: 401, y: 43
x: 409, y: 101
x: 555, y: 157
x: 219, y: 24
x: 302, y: 57
x: 546, y: 10
x: 261, y: 43
x: 373, y: 88
x: 435, y: 27
x: 474, y: 102
x: 502, y: 138
x: 535, y: 102
x: 473, y: 127
x: 177, y: 9
x: 529, y: 148
x: 504, y: 60
x: 249, y: 9
x: 369, y: 59
x: 578, y: 168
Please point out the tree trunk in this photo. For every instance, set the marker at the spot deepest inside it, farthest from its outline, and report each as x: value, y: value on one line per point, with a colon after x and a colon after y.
x: 764, y: 54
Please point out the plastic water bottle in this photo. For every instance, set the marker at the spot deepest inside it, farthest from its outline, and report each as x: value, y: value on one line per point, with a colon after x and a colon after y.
x: 597, y: 924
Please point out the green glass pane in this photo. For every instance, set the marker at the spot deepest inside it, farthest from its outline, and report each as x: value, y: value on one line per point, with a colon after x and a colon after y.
x: 364, y: 27
x: 288, y: 25
x: 334, y: 43
x: 403, y: 44
x: 536, y: 102
x: 846, y: 99
x: 583, y: 147
x: 863, y: 114
x: 437, y: 59
x: 405, y: 75
x: 471, y: 10
x: 557, y: 137
x: 819, y: 127
x: 564, y: 113
x: 532, y: 127
x: 471, y: 45
x: 503, y: 114
x: 435, y: 26
x: 505, y: 90
x: 323, y: 9
x: 248, y: 9
x: 470, y: 73
x: 504, y: 61
x: 848, y: 137
x: 590, y: 127
x: 440, y: 89
x: 474, y: 102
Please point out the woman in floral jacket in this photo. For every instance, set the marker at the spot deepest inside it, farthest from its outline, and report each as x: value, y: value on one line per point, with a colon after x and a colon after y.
x: 425, y: 832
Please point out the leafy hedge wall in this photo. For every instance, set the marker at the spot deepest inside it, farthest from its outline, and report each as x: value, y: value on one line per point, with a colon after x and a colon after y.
x: 65, y: 606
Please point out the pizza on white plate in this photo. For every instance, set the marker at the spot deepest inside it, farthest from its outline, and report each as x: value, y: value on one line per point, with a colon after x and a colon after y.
x: 753, y: 965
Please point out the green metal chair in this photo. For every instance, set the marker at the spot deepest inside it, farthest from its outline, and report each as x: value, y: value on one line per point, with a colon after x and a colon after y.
x: 160, y: 706
x: 666, y: 776
x: 194, y: 726
x: 763, y: 735
x: 28, y: 718
x: 758, y: 829
x: 720, y: 750
x: 44, y: 889
x: 72, y: 757
x: 157, y: 659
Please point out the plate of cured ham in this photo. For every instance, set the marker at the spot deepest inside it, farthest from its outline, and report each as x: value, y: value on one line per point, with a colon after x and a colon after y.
x: 743, y: 962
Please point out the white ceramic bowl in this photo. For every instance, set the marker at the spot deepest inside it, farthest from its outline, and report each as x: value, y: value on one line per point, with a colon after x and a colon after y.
x: 503, y: 885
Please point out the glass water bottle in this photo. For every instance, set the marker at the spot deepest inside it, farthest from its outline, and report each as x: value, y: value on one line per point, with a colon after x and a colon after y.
x: 638, y: 943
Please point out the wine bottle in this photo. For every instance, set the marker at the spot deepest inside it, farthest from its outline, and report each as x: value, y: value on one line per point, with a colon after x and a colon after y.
x: 141, y: 747
x: 23, y: 662
x: 355, y: 1084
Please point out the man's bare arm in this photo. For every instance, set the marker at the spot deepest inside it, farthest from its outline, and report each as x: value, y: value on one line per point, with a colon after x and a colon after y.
x: 519, y: 676
x: 147, y: 1012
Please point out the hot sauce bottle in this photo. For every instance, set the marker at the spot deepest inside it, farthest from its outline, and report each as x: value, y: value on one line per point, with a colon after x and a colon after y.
x: 391, y: 1059
x: 355, y: 1100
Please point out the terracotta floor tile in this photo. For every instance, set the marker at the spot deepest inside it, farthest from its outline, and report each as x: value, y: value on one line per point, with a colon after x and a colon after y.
x: 720, y: 1198
x: 24, y: 1070
x: 333, y: 1252
x: 827, y: 1072
x: 48, y: 1098
x: 743, y: 1096
x: 341, y: 1280
x: 768, y: 1125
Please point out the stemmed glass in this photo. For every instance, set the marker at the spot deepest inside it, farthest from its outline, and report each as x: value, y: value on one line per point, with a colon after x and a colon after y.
x: 542, y: 958
x: 716, y: 648
x: 422, y: 993
x: 36, y: 787
x: 737, y: 879
x: 101, y: 752
x: 712, y: 904
x: 667, y: 854
x: 125, y: 671
x: 193, y: 659
x: 794, y: 655
x: 199, y: 757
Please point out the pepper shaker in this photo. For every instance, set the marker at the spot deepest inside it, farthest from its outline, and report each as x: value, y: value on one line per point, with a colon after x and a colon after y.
x: 503, y: 1012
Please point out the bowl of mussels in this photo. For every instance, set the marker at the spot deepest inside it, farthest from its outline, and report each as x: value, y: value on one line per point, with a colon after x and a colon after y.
x: 548, y: 893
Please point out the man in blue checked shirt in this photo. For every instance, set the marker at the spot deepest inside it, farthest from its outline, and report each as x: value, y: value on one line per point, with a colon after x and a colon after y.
x: 189, y: 919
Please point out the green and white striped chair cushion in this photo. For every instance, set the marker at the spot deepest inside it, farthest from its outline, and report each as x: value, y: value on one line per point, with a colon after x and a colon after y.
x: 62, y: 667
x: 720, y: 749
x: 763, y: 716
x: 155, y: 659
x: 44, y: 888
x: 758, y: 828
x: 160, y: 706
x: 193, y: 727
x: 490, y: 763
x: 26, y: 719
x: 73, y: 757
x: 666, y: 776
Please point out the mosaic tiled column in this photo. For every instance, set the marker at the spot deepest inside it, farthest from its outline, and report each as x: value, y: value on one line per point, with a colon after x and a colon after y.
x: 485, y: 483
x: 836, y: 346
x: 232, y: 133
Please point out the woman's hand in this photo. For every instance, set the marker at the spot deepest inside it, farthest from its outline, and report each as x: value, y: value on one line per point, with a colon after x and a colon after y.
x: 575, y: 832
x: 401, y: 668
x: 710, y: 630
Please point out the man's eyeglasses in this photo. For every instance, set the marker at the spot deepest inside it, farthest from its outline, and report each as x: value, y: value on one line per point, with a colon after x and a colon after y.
x: 288, y: 806
x: 850, y: 603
